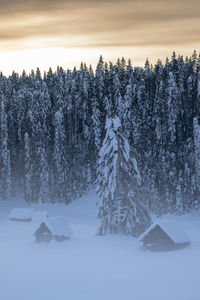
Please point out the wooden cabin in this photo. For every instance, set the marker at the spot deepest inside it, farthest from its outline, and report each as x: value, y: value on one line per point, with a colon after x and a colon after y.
x: 21, y: 214
x: 54, y: 228
x: 164, y: 236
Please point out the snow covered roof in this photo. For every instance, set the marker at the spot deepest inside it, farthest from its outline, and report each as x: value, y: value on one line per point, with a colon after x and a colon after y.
x: 40, y: 215
x: 21, y: 214
x: 58, y: 226
x: 172, y: 229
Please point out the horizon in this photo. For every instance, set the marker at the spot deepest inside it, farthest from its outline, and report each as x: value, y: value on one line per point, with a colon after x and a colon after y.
x: 54, y: 68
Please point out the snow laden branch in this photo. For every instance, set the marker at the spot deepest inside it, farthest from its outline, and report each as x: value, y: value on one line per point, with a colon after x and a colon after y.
x: 118, y: 181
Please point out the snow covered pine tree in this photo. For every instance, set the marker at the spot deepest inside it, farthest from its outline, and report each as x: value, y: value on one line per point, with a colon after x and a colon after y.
x: 118, y: 181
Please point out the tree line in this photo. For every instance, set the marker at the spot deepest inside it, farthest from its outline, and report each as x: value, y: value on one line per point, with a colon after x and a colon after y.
x: 53, y: 127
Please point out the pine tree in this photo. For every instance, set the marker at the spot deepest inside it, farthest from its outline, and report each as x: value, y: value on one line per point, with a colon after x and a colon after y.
x: 62, y: 181
x: 5, y: 155
x: 96, y: 124
x: 44, y: 189
x: 117, y: 99
x: 179, y: 209
x: 118, y: 185
x: 197, y: 161
x: 27, y: 169
x: 127, y: 109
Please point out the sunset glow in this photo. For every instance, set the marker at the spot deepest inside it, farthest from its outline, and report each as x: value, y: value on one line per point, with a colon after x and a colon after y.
x: 48, y: 33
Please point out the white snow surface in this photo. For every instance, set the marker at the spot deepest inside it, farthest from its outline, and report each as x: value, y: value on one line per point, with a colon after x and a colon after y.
x: 172, y: 229
x: 90, y: 267
x: 21, y: 213
x: 114, y: 122
x: 39, y: 216
x: 59, y: 226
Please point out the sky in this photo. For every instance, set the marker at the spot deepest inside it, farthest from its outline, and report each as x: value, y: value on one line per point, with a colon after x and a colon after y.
x: 47, y: 33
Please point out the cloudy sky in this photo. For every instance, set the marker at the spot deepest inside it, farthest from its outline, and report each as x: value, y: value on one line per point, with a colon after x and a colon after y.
x: 47, y: 33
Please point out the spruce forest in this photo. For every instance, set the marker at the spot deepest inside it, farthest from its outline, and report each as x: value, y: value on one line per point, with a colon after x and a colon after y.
x: 53, y: 126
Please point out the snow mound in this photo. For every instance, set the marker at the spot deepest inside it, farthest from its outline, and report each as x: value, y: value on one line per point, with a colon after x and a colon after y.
x: 172, y: 229
x: 58, y: 226
x: 21, y: 214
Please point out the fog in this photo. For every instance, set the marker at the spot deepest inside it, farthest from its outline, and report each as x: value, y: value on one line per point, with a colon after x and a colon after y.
x: 91, y: 267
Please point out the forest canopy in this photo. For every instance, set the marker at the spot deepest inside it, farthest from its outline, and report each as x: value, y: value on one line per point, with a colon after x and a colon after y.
x: 53, y: 126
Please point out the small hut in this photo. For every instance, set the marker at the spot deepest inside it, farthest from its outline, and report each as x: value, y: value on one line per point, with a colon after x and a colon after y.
x: 164, y: 236
x: 21, y: 214
x: 55, y: 228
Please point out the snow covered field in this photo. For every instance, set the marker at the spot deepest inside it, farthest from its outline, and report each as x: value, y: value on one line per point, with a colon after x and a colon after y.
x: 89, y: 267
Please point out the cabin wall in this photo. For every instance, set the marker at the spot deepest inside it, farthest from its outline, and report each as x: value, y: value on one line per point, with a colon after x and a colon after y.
x: 21, y: 220
x: 158, y: 240
x: 156, y: 234
x: 60, y: 238
x: 43, y: 234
